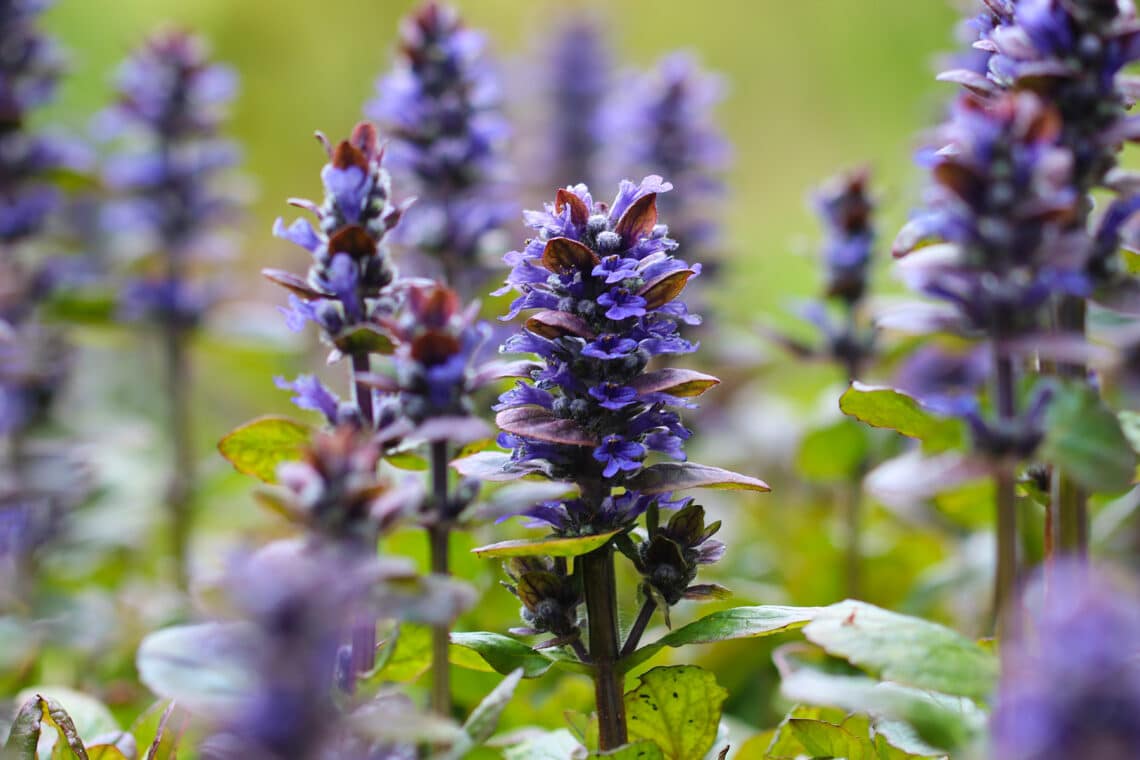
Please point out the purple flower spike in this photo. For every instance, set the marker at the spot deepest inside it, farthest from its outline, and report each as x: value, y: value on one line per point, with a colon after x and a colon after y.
x: 170, y: 170
x: 440, y: 107
x: 667, y: 120
x: 346, y: 286
x: 593, y: 411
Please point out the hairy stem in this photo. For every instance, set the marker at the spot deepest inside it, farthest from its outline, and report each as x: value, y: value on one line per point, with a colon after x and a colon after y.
x: 363, y: 628
x: 438, y: 538
x: 180, y: 483
x: 635, y: 633
x: 362, y: 394
x: 1005, y: 576
x: 1072, y: 519
x: 600, y: 586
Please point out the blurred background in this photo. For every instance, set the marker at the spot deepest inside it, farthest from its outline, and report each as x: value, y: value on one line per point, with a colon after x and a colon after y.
x: 813, y: 87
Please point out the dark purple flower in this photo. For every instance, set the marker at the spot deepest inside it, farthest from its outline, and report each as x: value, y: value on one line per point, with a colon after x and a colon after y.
x: 1070, y: 683
x: 609, y: 346
x: 621, y: 304
x: 440, y: 107
x: 613, y: 396
x: 669, y: 558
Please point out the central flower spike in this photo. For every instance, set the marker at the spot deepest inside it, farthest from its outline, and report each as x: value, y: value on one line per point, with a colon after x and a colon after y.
x: 603, y: 283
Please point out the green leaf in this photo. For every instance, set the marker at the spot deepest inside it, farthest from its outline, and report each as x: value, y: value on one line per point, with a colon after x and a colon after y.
x: 822, y: 739
x: 553, y: 745
x: 1084, y: 440
x: 894, y: 410
x: 734, y: 623
x: 485, y: 717
x: 259, y: 446
x: 944, y: 721
x: 366, y: 339
x: 905, y: 649
x: 638, y: 751
x: 835, y: 452
x: 25, y: 732
x: 678, y: 708
x: 679, y: 476
x: 502, y: 653
x: 204, y: 667
x: 573, y: 546
x: 410, y: 655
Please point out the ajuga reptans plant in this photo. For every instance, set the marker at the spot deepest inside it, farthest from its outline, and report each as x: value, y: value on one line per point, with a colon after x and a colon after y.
x: 38, y: 481
x: 1073, y: 55
x: 171, y: 105
x: 602, y: 286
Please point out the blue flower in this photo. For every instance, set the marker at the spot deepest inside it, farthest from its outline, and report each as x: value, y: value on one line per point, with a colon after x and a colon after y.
x: 609, y: 346
x: 621, y: 304
x: 664, y: 122
x: 613, y: 396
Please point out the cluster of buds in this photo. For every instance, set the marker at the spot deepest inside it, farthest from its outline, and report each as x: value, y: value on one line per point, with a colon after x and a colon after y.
x: 333, y: 488
x: 669, y: 558
x: 551, y: 598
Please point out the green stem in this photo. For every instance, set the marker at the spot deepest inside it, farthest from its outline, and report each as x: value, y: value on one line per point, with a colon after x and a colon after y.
x: 438, y: 538
x: 1005, y: 576
x: 363, y: 628
x: 180, y: 483
x: 635, y: 633
x: 600, y: 586
x: 1071, y: 523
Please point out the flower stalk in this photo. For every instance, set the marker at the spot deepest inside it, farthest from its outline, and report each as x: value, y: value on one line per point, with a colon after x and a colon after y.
x: 439, y: 546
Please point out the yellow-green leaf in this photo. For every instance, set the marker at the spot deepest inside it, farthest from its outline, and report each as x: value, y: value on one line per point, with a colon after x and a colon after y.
x: 259, y: 446
x: 677, y: 708
x: 572, y: 546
